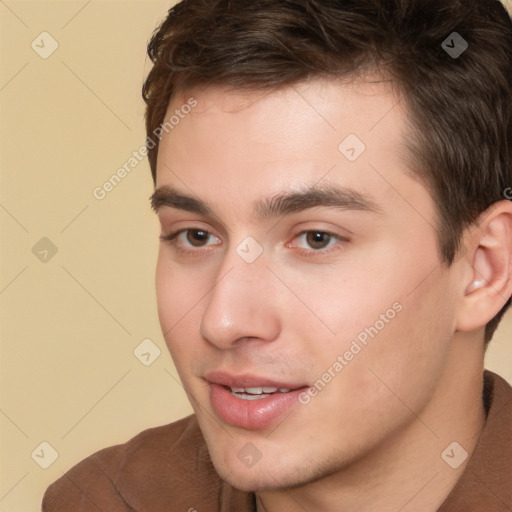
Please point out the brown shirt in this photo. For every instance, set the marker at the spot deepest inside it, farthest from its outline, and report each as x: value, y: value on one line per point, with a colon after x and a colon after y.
x: 168, y: 469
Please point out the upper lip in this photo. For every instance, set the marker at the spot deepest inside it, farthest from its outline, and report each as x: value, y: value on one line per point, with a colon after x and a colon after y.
x: 248, y: 381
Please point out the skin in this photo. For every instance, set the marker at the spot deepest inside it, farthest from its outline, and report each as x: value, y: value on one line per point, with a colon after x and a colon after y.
x: 372, y: 438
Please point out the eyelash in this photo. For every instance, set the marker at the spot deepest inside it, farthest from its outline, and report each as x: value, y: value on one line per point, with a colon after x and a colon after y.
x: 171, y: 239
x: 312, y: 253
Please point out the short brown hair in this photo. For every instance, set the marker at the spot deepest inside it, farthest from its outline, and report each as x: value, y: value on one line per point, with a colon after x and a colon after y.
x: 460, y: 107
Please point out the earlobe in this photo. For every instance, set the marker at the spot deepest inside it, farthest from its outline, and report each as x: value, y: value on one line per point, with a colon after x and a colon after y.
x: 490, y: 283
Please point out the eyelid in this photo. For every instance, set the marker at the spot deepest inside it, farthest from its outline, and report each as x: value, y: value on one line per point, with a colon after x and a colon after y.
x: 172, y: 239
x: 319, y: 252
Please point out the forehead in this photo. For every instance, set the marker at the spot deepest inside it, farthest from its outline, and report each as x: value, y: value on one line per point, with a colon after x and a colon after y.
x: 355, y: 103
x: 249, y: 144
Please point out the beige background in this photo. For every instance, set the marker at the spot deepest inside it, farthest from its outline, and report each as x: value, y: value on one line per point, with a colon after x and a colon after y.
x: 70, y: 324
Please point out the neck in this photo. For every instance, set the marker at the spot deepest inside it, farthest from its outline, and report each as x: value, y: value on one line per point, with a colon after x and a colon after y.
x: 406, y: 472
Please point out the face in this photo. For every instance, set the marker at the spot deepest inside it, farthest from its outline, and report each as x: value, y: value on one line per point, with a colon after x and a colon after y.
x: 298, y: 277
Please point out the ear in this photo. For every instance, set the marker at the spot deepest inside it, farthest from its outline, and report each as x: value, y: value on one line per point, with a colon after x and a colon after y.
x: 488, y: 279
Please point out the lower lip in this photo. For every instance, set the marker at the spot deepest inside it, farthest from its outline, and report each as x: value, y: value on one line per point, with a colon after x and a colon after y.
x: 251, y: 414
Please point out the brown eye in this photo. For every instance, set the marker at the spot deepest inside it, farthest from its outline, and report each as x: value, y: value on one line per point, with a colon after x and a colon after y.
x: 197, y: 237
x: 187, y: 240
x: 318, y: 239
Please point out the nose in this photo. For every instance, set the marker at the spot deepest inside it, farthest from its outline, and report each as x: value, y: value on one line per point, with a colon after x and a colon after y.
x: 243, y: 304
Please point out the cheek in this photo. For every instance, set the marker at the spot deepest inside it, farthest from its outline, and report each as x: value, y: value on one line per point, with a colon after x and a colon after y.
x: 178, y: 301
x: 350, y: 295
x: 400, y: 363
x: 392, y: 316
x: 342, y: 307
x: 405, y: 360
x: 166, y: 294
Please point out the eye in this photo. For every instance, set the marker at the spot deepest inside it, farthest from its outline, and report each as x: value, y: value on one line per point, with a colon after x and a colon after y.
x: 317, y: 239
x: 315, y: 242
x: 189, y: 238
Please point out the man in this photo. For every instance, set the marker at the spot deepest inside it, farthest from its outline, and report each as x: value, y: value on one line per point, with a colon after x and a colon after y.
x: 333, y: 183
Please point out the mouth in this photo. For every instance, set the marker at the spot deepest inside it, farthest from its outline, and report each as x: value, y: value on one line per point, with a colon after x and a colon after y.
x: 256, y: 393
x: 249, y: 401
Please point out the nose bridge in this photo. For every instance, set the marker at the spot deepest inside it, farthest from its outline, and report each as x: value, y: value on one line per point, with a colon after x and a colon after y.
x: 240, y: 304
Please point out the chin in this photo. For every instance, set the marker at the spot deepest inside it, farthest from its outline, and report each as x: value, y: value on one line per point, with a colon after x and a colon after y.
x: 262, y: 477
x: 250, y: 480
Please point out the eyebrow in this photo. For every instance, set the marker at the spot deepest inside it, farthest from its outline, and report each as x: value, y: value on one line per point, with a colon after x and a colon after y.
x: 281, y: 204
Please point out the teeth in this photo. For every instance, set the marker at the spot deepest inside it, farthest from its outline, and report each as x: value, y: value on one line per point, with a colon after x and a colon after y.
x: 259, y: 390
x: 254, y: 391
x: 251, y: 397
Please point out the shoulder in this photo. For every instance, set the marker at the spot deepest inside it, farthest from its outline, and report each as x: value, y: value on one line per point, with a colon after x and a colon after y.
x: 166, y: 467
x: 485, y: 482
